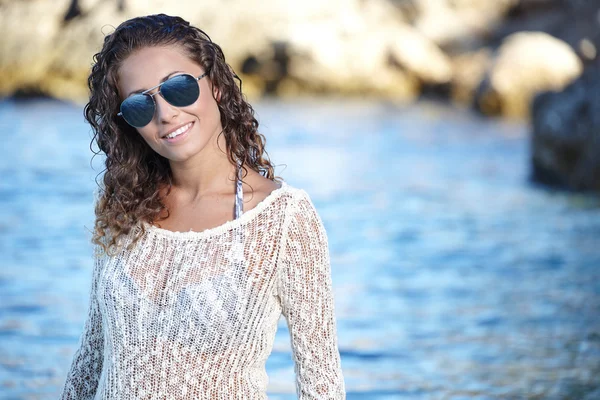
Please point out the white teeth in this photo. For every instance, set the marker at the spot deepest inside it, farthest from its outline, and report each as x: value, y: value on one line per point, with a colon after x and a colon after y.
x: 179, y: 131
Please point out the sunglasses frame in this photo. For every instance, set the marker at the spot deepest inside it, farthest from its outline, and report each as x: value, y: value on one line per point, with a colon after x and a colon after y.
x: 145, y: 93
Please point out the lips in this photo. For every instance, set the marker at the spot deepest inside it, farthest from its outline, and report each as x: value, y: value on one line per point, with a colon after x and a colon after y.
x: 187, y: 124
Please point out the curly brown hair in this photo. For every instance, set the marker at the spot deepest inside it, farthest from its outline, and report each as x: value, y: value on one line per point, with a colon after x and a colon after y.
x: 134, y: 173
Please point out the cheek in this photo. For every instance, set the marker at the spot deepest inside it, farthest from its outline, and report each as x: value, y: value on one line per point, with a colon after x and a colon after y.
x: 207, y: 101
x: 144, y: 134
x: 148, y: 137
x: 207, y: 110
x: 212, y: 107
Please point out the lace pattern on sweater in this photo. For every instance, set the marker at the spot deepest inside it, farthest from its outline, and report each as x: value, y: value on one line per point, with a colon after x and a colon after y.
x: 193, y: 315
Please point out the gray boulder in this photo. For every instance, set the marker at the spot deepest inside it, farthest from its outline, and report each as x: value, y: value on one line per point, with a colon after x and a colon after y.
x: 565, y: 148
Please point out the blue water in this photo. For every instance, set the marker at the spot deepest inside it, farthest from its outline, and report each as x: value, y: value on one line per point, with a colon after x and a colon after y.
x: 454, y: 276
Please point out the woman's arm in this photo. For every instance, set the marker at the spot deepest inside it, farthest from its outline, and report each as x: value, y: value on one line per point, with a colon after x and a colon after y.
x: 305, y: 291
x: 83, y: 376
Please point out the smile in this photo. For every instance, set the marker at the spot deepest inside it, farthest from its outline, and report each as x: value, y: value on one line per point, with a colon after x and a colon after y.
x: 179, y: 133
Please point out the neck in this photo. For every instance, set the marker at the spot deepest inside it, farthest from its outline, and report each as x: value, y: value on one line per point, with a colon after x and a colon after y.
x: 208, y: 172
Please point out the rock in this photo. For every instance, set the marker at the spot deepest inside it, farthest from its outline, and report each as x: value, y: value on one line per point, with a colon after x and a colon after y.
x: 459, y: 26
x: 355, y: 47
x: 566, y: 135
x: 576, y: 22
x: 419, y: 55
x: 526, y: 63
x: 384, y: 48
x: 469, y: 70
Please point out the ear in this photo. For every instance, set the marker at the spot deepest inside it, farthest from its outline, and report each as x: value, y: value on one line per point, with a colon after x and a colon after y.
x: 216, y: 93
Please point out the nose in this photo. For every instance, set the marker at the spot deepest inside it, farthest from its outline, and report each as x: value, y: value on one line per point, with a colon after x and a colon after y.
x: 165, y: 112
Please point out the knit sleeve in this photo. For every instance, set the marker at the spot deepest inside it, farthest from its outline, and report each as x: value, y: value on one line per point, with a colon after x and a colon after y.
x: 305, y: 290
x: 84, y: 373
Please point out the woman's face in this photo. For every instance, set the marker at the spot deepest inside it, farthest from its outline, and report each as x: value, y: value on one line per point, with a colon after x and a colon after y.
x: 148, y: 67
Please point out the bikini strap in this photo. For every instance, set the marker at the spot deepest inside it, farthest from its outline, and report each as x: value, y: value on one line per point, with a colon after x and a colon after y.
x: 239, y: 195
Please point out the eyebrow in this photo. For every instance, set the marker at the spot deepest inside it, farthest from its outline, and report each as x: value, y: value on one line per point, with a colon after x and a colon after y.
x: 161, y: 81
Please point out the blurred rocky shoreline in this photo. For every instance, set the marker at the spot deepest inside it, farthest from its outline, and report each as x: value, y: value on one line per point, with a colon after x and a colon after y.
x: 495, y: 56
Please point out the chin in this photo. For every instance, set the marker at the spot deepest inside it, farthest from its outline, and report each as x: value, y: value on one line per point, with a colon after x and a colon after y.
x: 184, y: 153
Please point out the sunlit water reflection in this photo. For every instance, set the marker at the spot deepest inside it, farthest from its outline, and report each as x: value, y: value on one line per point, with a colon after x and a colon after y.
x: 455, y: 278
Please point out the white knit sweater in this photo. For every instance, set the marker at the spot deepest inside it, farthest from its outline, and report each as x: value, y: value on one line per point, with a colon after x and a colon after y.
x: 193, y: 315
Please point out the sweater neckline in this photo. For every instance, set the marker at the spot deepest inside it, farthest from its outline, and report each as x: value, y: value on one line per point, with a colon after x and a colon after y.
x: 245, y: 217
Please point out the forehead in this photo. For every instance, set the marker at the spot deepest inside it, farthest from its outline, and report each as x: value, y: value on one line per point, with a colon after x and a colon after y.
x: 146, y: 67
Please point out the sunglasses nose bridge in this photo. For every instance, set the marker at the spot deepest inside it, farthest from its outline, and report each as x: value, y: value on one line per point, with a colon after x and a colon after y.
x: 163, y: 109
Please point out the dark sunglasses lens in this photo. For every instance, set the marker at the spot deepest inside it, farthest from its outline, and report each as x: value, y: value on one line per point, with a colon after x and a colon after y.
x: 181, y: 90
x: 138, y: 110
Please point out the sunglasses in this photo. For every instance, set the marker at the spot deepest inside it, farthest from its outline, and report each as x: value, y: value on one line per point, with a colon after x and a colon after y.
x: 179, y: 91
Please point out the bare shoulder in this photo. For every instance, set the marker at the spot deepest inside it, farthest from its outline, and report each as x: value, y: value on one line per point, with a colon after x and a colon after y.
x: 257, y: 188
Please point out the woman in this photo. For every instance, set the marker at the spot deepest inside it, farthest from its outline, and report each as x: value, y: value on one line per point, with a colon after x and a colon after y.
x: 200, y: 249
